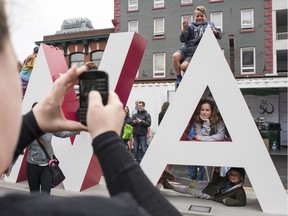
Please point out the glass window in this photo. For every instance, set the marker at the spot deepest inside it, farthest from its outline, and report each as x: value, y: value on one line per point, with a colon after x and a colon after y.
x: 132, y: 5
x: 77, y: 59
x: 282, y: 60
x: 247, y: 19
x: 133, y: 26
x: 189, y: 17
x: 247, y: 60
x: 96, y: 57
x: 186, y: 1
x: 216, y: 18
x: 159, y: 27
x: 159, y: 64
x: 158, y: 3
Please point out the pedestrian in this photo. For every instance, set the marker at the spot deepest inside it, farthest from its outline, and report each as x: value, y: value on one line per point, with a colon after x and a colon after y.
x: 191, y: 35
x: 131, y: 192
x: 227, y: 190
x: 127, y: 130
x: 141, y: 121
x: 27, y: 68
x: 38, y: 172
x: 164, y: 108
x: 134, y: 111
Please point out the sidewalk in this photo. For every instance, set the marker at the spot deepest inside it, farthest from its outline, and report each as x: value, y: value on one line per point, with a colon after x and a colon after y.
x: 180, y: 201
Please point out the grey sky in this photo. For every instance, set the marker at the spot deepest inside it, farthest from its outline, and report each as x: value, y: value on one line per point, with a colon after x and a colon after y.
x: 30, y: 20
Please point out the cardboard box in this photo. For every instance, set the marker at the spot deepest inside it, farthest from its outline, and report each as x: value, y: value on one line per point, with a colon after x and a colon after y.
x: 266, y: 142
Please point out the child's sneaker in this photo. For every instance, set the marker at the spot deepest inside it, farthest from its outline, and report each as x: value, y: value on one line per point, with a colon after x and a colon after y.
x: 178, y: 79
x: 167, y: 185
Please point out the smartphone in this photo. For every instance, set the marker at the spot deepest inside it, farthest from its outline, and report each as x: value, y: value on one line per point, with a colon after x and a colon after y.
x: 88, y: 81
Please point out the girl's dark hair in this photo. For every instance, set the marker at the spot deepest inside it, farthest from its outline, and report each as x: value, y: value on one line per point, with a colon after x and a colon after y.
x: 4, y: 32
x: 34, y: 104
x: 165, y: 106
x: 128, y: 113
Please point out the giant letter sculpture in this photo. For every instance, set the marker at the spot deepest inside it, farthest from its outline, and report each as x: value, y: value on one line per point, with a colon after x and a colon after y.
x: 209, y: 68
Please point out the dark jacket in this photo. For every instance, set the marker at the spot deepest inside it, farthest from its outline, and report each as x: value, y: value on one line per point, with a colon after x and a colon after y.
x: 160, y: 117
x: 141, y: 128
x: 234, y: 197
x: 192, y: 36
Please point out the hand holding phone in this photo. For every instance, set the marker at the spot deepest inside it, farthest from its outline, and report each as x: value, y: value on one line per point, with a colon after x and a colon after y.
x: 88, y: 81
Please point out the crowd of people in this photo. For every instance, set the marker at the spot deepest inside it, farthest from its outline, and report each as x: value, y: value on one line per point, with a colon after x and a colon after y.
x: 131, y: 192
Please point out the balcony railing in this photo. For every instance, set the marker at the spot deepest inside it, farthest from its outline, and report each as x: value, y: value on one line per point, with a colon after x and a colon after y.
x: 282, y: 36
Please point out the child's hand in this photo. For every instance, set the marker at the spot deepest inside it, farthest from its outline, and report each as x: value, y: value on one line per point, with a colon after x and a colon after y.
x: 185, y: 23
x: 204, y: 119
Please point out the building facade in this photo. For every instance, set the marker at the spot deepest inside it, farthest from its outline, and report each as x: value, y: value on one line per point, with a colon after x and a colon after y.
x: 254, y: 44
x: 79, y: 41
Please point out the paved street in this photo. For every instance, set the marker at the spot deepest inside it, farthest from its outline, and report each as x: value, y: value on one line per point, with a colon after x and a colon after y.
x: 180, y: 201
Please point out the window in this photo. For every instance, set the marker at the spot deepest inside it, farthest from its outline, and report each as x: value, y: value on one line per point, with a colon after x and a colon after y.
x: 132, y: 5
x: 247, y: 19
x: 159, y: 27
x: 96, y: 57
x: 77, y: 59
x: 133, y: 26
x: 247, y: 60
x: 216, y: 18
x: 282, y: 60
x: 186, y: 1
x: 158, y: 3
x: 189, y: 17
x: 159, y: 65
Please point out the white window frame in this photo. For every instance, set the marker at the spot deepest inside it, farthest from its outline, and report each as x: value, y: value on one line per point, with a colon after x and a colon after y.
x: 132, y: 5
x: 159, y: 3
x: 160, y: 71
x: 190, y: 18
x: 161, y: 30
x: 248, y: 69
x: 186, y: 1
x: 132, y: 28
x: 217, y: 25
x: 245, y: 23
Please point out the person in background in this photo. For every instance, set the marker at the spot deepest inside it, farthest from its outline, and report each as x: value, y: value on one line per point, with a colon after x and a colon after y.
x: 91, y: 65
x: 127, y: 124
x: 227, y: 190
x: 141, y: 121
x: 191, y: 35
x: 131, y: 192
x: 27, y: 68
x: 164, y: 108
x: 38, y: 172
x: 134, y: 111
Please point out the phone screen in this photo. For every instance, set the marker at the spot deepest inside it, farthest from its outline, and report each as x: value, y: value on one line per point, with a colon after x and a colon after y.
x: 87, y: 85
x: 88, y: 81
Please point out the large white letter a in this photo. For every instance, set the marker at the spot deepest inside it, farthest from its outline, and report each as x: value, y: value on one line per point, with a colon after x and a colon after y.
x: 209, y: 68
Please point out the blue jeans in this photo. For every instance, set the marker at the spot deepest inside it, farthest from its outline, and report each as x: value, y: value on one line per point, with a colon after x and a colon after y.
x: 139, y: 141
x: 196, y: 172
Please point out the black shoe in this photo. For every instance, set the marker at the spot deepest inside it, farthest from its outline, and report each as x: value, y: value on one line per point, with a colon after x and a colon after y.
x: 168, y: 176
x: 166, y: 184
